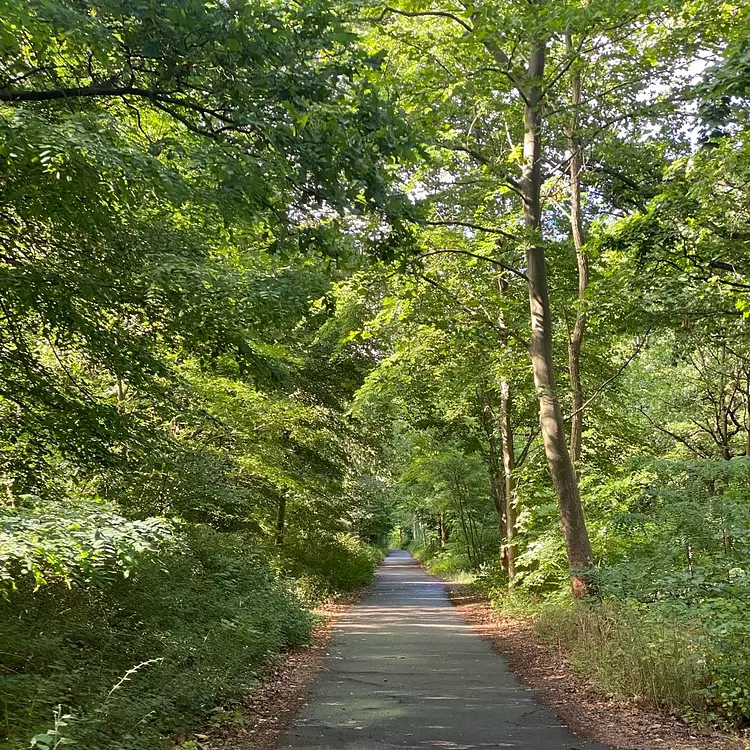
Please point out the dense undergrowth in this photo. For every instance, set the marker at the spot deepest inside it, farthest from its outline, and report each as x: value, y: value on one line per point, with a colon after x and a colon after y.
x: 126, y: 645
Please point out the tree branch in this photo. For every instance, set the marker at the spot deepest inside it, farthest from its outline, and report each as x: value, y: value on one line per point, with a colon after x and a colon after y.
x: 469, y: 225
x: 494, y: 49
x: 485, y: 258
x: 73, y: 93
x: 674, y: 436
x: 512, y: 181
x: 417, y: 14
x: 524, y: 453
x: 564, y: 68
x: 502, y: 330
x: 614, y: 377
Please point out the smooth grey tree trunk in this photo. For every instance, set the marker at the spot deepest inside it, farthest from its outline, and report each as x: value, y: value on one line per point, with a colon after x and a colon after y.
x: 578, y: 546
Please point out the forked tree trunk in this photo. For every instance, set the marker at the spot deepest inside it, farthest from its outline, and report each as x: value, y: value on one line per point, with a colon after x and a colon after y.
x: 576, y: 229
x: 561, y: 468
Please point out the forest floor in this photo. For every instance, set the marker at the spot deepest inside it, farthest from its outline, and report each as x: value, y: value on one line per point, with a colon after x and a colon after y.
x: 619, y: 724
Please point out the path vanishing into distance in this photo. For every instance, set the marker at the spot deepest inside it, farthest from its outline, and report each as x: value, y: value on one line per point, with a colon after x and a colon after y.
x: 406, y: 671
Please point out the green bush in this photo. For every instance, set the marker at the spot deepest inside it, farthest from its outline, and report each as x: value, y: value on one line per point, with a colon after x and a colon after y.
x: 726, y: 643
x: 450, y: 564
x: 323, y: 565
x: 492, y: 582
x: 75, y: 541
x: 138, y: 659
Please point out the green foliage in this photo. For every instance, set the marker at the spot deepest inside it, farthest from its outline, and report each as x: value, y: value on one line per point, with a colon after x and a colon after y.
x: 443, y: 487
x: 323, y: 565
x: 679, y: 551
x: 78, y: 543
x: 134, y: 660
x: 283, y: 86
x: 202, y: 326
x: 373, y: 518
x: 451, y: 563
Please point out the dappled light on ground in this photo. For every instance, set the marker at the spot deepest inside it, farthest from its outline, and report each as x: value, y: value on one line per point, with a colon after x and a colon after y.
x: 406, y: 671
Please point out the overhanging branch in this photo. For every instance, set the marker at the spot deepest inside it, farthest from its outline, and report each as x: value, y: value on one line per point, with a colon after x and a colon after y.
x: 469, y: 225
x: 485, y: 258
x: 421, y: 13
x: 503, y: 331
x: 612, y: 378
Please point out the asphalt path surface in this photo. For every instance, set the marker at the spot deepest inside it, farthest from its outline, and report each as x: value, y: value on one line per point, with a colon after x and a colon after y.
x: 406, y: 671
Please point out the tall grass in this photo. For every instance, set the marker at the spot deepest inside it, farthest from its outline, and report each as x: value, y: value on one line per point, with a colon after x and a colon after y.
x: 652, y: 654
x: 133, y: 663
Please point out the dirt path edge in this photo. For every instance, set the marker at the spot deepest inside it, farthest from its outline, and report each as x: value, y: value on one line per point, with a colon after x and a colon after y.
x: 269, y: 711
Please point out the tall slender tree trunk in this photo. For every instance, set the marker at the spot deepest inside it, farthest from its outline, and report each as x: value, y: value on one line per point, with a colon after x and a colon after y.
x: 281, y: 520
x: 462, y: 521
x: 509, y: 459
x: 443, y: 532
x: 468, y: 525
x: 120, y: 393
x: 477, y: 537
x: 497, y: 489
x: 577, y: 232
x: 578, y: 546
x: 509, y: 463
x: 496, y: 476
x: 723, y: 406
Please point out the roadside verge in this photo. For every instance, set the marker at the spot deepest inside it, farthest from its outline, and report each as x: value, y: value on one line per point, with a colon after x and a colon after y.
x: 591, y: 714
x: 269, y: 711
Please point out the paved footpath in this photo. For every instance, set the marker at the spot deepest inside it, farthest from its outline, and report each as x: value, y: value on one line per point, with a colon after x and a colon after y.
x: 405, y: 671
